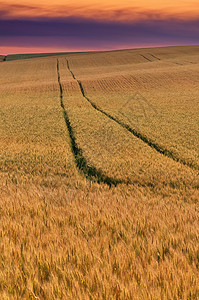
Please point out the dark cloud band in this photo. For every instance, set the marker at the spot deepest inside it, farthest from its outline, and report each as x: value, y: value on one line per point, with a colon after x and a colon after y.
x: 82, y: 33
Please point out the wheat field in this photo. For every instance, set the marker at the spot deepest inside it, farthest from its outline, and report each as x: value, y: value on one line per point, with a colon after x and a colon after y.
x: 99, y: 163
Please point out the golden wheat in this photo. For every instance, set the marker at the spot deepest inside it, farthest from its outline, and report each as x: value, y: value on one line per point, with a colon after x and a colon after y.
x: 64, y: 232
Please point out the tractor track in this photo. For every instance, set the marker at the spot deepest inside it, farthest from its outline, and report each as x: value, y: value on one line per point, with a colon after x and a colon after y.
x: 89, y: 171
x: 145, y: 57
x: 154, y: 56
x: 160, y: 149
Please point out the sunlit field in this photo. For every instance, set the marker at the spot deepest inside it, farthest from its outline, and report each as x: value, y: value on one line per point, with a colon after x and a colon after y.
x: 99, y: 165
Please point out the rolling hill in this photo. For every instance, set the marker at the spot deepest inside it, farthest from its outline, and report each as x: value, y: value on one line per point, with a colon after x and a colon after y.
x: 99, y: 174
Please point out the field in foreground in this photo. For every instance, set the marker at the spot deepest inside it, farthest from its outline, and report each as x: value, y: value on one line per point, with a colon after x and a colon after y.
x: 99, y: 175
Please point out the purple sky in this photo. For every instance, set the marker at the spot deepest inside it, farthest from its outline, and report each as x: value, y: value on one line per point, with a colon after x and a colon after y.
x: 82, y: 34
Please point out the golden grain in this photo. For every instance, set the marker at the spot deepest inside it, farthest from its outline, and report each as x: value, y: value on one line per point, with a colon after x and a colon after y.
x: 63, y: 236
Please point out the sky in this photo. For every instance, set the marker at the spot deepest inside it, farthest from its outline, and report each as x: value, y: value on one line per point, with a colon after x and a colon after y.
x: 59, y: 26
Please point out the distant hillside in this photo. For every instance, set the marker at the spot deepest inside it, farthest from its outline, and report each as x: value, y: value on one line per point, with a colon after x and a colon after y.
x: 35, y: 55
x: 12, y: 57
x: 2, y: 57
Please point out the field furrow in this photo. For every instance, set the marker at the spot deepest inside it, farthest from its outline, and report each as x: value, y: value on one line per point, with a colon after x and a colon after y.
x: 154, y: 56
x: 110, y: 148
x: 146, y: 58
x: 145, y: 139
x: 140, y: 99
x: 33, y: 137
x: 89, y: 171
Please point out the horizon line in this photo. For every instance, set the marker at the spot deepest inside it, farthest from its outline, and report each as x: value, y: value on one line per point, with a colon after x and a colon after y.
x: 95, y: 50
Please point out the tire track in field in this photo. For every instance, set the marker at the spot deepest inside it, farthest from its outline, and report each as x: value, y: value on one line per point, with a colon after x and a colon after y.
x: 89, y: 171
x: 160, y: 149
x: 160, y: 59
x: 176, y: 63
x: 154, y: 56
x: 145, y: 57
